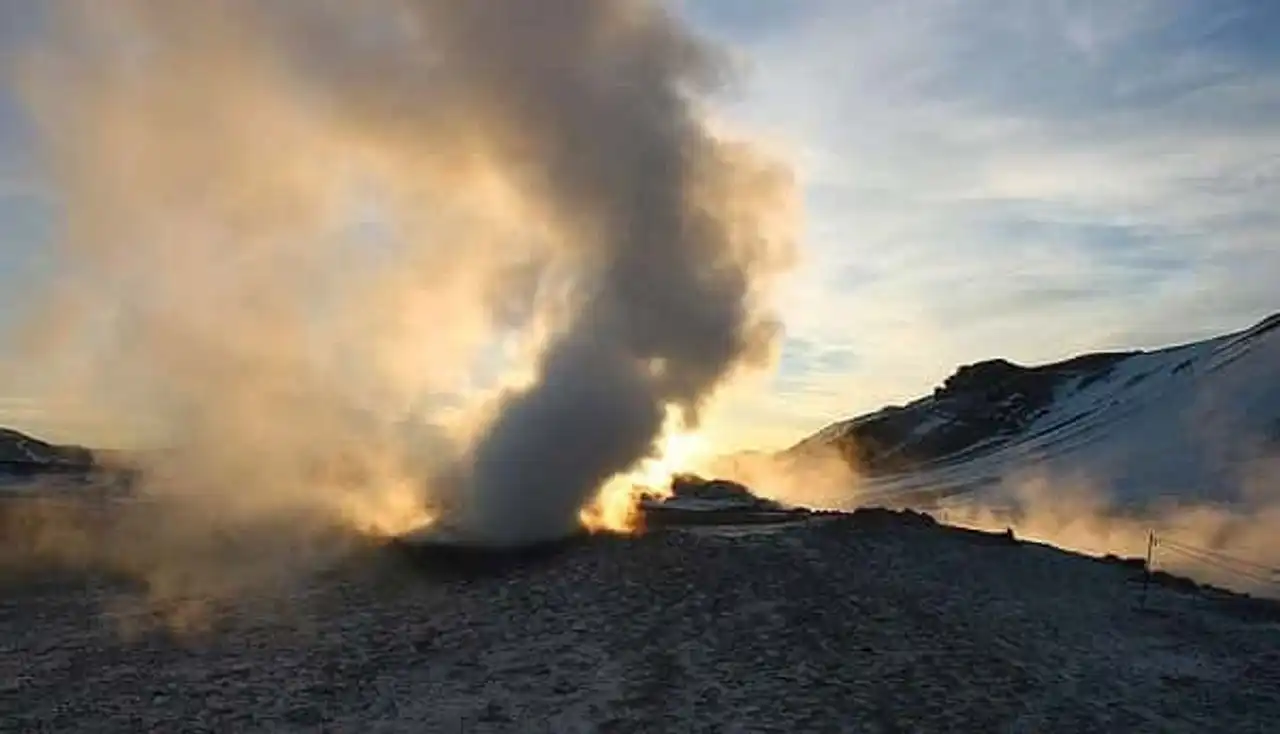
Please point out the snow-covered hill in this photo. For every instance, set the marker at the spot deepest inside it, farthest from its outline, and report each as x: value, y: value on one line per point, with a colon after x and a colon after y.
x: 23, y: 454
x: 1100, y: 454
x: 1199, y: 422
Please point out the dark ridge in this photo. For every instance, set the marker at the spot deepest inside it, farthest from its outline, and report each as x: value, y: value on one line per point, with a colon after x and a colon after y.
x: 981, y: 404
x: 986, y: 400
x: 1087, y: 362
x: 24, y: 455
x: 447, y: 559
x: 981, y: 407
x: 1129, y: 562
x: 881, y: 517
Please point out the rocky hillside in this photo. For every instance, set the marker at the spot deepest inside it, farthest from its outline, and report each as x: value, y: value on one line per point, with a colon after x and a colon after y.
x: 23, y: 454
x: 978, y: 407
x: 1190, y: 416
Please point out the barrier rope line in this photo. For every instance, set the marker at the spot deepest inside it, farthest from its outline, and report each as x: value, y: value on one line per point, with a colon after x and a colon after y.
x: 1218, y: 563
x: 1243, y: 562
x: 1261, y: 580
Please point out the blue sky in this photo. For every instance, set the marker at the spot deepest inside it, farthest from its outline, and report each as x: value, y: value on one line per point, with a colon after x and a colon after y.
x: 1004, y: 178
x: 981, y: 178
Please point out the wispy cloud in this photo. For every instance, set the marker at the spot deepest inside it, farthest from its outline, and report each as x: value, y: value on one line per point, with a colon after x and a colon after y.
x: 1015, y: 179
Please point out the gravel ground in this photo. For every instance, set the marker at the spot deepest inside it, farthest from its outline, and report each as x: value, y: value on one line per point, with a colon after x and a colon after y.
x: 840, y: 624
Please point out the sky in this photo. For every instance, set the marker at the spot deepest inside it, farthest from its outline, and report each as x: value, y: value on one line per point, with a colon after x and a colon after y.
x: 1028, y: 180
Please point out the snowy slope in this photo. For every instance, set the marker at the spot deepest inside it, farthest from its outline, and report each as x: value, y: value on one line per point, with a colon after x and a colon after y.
x: 23, y: 454
x: 1199, y: 422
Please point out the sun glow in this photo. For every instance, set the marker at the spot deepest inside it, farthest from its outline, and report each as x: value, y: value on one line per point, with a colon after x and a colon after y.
x: 398, y: 509
x: 616, y: 508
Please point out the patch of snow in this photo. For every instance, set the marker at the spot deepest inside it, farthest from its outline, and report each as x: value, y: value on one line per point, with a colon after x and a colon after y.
x: 1190, y: 422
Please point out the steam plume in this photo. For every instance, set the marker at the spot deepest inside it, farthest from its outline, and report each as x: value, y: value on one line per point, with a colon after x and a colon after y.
x: 339, y: 254
x: 1237, y: 543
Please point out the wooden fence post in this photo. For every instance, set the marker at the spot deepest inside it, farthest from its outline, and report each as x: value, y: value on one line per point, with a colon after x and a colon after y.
x: 1146, y: 567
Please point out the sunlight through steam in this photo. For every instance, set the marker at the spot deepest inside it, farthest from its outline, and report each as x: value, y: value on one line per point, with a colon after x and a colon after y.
x: 616, y: 508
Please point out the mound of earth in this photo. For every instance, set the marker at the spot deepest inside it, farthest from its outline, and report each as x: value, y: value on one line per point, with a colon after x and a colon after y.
x: 698, y: 501
x: 875, y: 621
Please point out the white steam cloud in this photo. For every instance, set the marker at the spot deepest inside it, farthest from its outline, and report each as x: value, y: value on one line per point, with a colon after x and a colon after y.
x: 374, y: 261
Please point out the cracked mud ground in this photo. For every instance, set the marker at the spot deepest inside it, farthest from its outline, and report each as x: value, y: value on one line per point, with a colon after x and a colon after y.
x: 833, y: 625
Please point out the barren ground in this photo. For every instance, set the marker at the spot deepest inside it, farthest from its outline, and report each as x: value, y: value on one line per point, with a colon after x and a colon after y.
x: 835, y: 625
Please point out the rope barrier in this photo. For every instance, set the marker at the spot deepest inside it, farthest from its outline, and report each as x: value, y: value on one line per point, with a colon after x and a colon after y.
x: 1174, y: 544
x: 1220, y: 564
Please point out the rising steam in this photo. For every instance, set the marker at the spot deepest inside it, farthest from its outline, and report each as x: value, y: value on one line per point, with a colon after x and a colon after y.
x: 1232, y: 545
x: 376, y: 261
